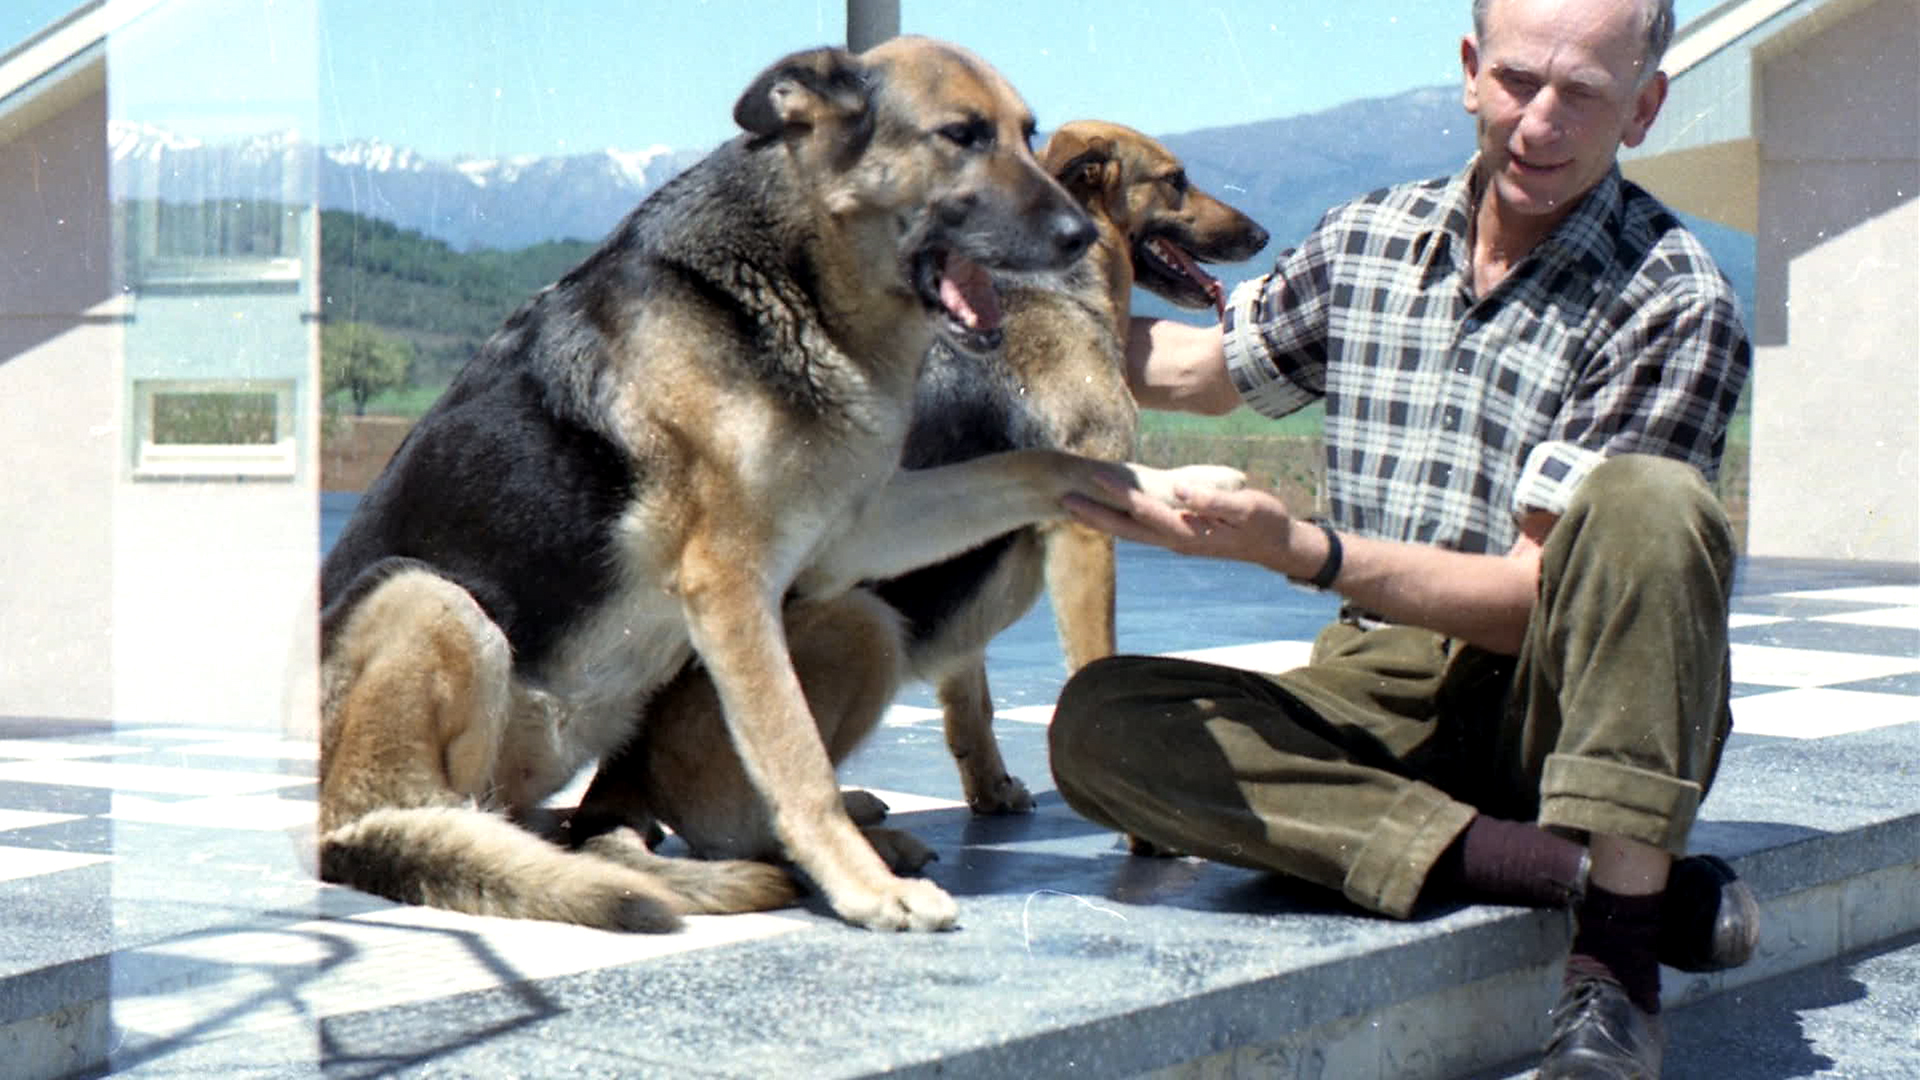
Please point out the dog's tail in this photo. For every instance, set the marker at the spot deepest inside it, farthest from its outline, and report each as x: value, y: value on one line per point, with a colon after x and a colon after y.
x: 469, y: 860
x: 706, y: 886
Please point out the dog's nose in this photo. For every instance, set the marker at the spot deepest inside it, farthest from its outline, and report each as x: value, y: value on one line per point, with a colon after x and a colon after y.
x: 1073, y: 233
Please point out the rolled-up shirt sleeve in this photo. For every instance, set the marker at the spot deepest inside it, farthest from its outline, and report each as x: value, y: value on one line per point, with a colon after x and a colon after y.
x: 1275, y: 332
x: 1552, y: 471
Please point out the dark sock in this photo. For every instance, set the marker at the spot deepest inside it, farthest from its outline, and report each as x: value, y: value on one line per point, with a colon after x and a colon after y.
x: 1507, y: 862
x: 1691, y: 902
x: 1618, y: 936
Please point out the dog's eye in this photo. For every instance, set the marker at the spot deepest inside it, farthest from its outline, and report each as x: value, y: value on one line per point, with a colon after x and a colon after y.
x: 974, y: 134
x: 1177, y: 181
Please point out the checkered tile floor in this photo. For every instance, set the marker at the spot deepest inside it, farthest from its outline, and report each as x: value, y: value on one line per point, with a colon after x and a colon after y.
x: 1807, y: 663
x: 198, y: 840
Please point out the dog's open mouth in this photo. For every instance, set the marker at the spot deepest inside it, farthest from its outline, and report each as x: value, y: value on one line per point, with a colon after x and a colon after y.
x: 961, y: 293
x: 1169, y: 270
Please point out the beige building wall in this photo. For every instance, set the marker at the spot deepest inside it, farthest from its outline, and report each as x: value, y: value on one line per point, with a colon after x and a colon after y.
x: 188, y: 601
x: 60, y: 343
x: 1836, y: 425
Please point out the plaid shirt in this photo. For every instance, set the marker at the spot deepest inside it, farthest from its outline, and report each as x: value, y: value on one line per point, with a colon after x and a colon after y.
x: 1448, y: 416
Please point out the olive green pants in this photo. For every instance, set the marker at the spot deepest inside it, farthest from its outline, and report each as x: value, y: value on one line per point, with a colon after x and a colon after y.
x: 1357, y: 771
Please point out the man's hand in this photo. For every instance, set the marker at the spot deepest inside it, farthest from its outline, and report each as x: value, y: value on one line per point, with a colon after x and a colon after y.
x: 1483, y: 599
x: 1249, y: 524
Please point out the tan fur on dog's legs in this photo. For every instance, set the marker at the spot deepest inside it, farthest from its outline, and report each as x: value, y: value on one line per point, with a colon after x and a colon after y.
x: 416, y: 701
x: 1079, y: 566
x: 687, y: 774
x: 417, y: 704
x: 966, y: 703
x: 1080, y: 576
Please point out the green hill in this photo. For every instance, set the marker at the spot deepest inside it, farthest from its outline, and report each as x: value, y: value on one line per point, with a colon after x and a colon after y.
x: 444, y: 302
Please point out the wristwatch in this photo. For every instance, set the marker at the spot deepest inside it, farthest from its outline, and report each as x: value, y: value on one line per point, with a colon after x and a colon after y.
x: 1323, y: 578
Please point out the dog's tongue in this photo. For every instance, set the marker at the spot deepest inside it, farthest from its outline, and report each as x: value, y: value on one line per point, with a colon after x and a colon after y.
x: 1176, y: 256
x: 967, y: 291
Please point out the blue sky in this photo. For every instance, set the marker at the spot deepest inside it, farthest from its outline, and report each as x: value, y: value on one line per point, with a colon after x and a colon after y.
x: 499, y: 77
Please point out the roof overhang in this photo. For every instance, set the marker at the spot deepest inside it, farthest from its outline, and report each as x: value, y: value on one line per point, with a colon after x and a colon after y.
x: 1703, y: 154
x: 62, y: 64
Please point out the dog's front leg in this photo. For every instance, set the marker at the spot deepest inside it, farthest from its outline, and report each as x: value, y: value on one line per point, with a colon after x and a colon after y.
x: 734, y: 622
x: 1080, y: 584
x: 924, y: 516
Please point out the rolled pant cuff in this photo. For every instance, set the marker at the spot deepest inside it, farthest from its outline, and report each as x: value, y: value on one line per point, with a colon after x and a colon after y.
x: 1404, y: 845
x: 1611, y: 799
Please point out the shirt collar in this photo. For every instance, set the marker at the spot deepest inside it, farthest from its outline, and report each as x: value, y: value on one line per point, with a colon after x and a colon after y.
x: 1443, y: 243
x: 1584, y: 240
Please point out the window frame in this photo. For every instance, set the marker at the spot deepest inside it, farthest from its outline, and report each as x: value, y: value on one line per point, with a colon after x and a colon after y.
x: 275, y: 460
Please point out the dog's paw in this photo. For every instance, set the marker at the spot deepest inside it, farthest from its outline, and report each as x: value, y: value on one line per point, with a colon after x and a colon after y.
x: 1006, y: 795
x: 906, y: 904
x: 1148, y: 849
x: 1163, y: 483
x: 864, y: 807
x: 903, y: 852
x: 1211, y: 477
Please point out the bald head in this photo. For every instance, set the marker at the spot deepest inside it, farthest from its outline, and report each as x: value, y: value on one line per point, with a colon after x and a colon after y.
x: 1656, y: 27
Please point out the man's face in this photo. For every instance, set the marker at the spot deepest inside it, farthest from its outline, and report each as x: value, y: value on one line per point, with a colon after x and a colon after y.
x: 1557, y: 87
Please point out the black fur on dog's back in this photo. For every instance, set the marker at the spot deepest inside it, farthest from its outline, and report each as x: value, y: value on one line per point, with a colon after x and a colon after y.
x: 539, y: 563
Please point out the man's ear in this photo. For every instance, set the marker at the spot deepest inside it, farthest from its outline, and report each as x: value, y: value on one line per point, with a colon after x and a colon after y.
x: 1646, y: 108
x: 1470, y: 70
x: 802, y: 91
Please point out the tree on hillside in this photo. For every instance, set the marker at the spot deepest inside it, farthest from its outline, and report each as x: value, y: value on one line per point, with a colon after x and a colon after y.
x: 363, y: 361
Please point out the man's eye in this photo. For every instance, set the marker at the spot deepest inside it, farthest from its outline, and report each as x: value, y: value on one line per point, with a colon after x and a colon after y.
x: 1521, y: 86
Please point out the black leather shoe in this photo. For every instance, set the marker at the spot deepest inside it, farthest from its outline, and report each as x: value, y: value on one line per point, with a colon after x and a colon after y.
x: 1600, y: 1034
x: 1710, y: 920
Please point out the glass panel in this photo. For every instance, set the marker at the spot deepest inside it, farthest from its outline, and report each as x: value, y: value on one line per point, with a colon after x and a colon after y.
x: 215, y: 418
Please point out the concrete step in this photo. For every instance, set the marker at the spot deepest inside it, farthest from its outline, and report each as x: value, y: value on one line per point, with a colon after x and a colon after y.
x: 158, y: 916
x: 1072, y: 960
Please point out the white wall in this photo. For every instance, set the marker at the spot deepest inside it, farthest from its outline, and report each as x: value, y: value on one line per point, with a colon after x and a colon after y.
x: 1836, y: 425
x: 215, y: 599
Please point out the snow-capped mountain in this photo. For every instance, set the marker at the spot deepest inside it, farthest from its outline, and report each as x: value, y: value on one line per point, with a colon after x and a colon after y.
x: 1284, y: 172
x: 495, y: 202
x: 507, y: 202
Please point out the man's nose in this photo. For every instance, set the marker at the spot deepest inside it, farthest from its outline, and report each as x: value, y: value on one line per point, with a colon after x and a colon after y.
x: 1544, y: 118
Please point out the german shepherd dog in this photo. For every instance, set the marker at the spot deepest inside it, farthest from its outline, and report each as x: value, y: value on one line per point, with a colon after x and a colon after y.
x: 696, y: 429
x: 1060, y: 383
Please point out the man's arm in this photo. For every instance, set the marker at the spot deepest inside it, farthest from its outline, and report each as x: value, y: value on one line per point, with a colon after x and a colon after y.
x: 1485, y: 600
x: 1482, y: 599
x: 1178, y: 367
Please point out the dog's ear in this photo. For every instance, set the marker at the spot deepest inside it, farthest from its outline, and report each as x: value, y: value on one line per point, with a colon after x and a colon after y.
x: 1084, y: 164
x: 803, y: 90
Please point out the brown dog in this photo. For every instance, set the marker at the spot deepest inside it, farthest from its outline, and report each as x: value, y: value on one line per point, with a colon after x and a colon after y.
x: 1059, y: 382
x: 1065, y: 355
x: 699, y: 424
